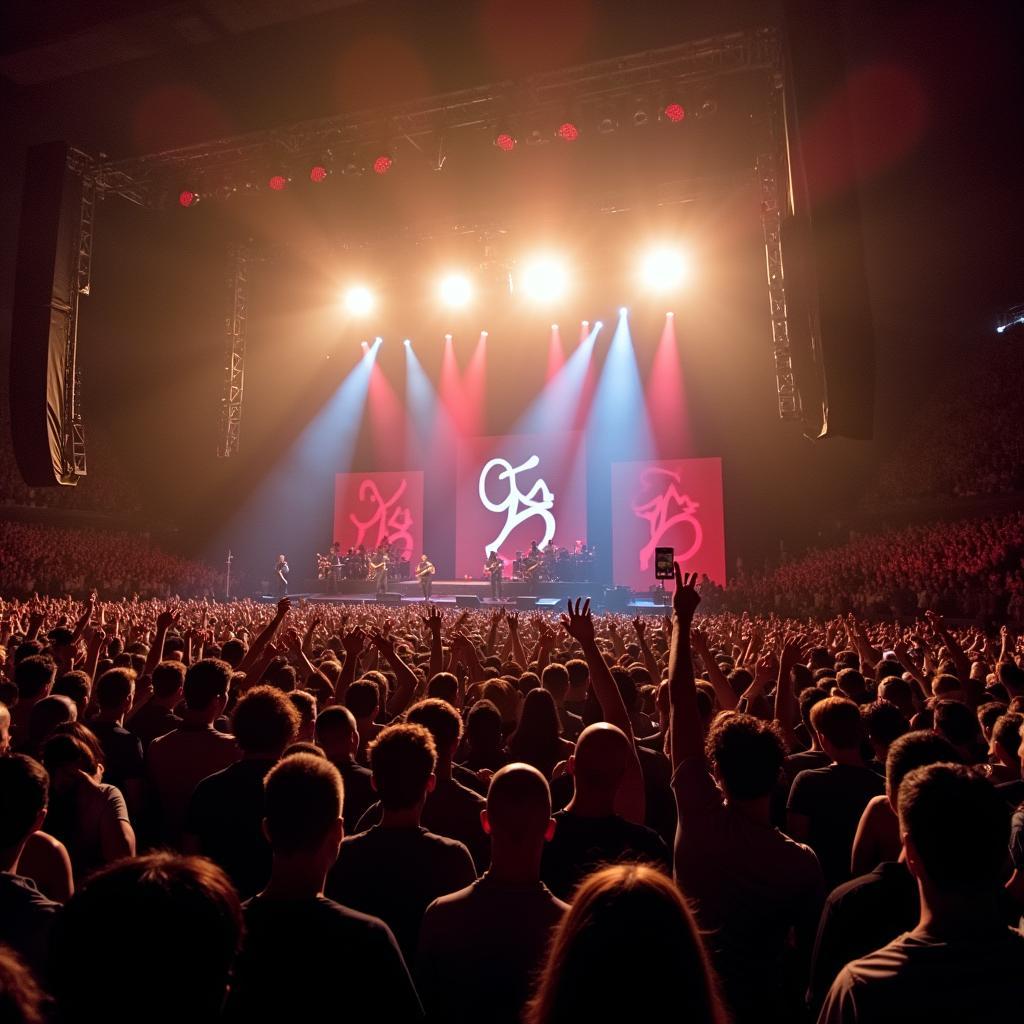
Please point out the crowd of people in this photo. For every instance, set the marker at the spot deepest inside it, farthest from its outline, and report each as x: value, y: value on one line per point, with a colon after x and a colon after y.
x: 970, y: 569
x: 230, y: 811
x: 46, y: 559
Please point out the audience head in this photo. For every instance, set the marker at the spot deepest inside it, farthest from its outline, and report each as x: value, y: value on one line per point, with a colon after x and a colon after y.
x: 838, y: 724
x: 958, y: 724
x: 302, y: 808
x: 402, y: 759
x: 46, y: 716
x: 264, y: 722
x: 75, y: 684
x: 363, y: 700
x: 518, y: 812
x: 883, y: 722
x: 115, y: 691
x: 34, y: 676
x: 337, y: 733
x: 169, y: 680
x: 599, y: 760
x: 914, y: 750
x: 555, y: 679
x: 207, y: 684
x: 24, y: 793
x: 305, y: 704
x: 442, y: 721
x: 746, y: 755
x: 444, y: 686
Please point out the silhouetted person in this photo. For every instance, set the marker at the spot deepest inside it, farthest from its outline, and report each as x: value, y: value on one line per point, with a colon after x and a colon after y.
x: 338, y: 737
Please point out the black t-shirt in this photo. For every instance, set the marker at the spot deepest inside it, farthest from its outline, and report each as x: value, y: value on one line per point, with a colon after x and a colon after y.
x: 303, y: 958
x: 123, y: 752
x: 395, y: 874
x: 359, y: 793
x: 153, y: 720
x: 26, y: 919
x: 833, y: 799
x: 582, y: 844
x: 226, y: 814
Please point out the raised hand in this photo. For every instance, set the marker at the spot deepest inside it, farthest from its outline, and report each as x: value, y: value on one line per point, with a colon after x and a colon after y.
x: 167, y: 618
x: 685, y: 599
x: 578, y: 622
x: 432, y: 620
x: 794, y: 648
x: 284, y: 606
x: 640, y: 628
x: 353, y: 642
x: 513, y: 621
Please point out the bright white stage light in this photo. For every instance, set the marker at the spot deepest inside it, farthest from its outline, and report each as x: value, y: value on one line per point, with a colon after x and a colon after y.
x: 455, y: 290
x: 359, y: 300
x: 544, y: 279
x: 663, y: 269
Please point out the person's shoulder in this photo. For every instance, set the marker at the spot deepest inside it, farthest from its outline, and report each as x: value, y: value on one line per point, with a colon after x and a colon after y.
x: 21, y: 891
x: 453, y: 847
x: 452, y: 903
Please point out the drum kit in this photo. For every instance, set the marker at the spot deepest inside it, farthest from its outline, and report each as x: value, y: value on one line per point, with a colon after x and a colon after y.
x: 555, y: 565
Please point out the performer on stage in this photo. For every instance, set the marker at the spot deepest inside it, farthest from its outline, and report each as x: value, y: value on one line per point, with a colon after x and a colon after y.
x: 281, y: 571
x: 381, y: 568
x: 493, y: 569
x: 424, y: 573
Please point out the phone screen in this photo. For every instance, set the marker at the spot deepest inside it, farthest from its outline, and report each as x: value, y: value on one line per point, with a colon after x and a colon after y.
x: 663, y: 559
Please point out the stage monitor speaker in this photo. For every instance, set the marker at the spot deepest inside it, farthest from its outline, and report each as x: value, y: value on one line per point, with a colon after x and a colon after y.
x: 44, y: 297
x: 467, y: 600
x: 827, y: 299
x: 389, y: 599
x: 524, y: 601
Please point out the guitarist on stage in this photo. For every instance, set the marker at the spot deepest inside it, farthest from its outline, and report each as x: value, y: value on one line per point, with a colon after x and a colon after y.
x: 424, y: 573
x: 493, y: 569
x: 381, y: 569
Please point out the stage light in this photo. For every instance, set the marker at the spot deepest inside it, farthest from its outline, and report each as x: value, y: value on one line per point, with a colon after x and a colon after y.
x: 188, y: 198
x: 663, y: 269
x: 674, y: 112
x: 382, y: 164
x: 544, y: 279
x: 607, y: 125
x: 554, y: 327
x: 359, y: 300
x: 455, y: 290
x: 365, y: 345
x: 505, y: 141
x: 447, y: 337
x: 568, y: 131
x: 407, y: 342
x: 278, y: 182
x: 623, y: 311
x: 670, y: 315
x: 483, y: 334
x: 317, y: 174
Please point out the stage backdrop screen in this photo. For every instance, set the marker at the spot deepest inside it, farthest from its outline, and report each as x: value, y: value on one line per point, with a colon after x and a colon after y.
x: 372, y: 507
x: 515, y: 489
x: 673, y: 503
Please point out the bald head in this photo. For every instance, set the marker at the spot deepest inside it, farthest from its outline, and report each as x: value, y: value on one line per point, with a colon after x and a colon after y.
x: 602, y: 753
x: 518, y: 802
x: 337, y: 732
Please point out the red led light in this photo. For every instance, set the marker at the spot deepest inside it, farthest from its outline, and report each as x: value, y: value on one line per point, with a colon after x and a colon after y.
x: 505, y: 142
x: 317, y: 174
x: 382, y: 164
x: 188, y: 198
x: 674, y: 112
x: 278, y: 182
x: 568, y: 131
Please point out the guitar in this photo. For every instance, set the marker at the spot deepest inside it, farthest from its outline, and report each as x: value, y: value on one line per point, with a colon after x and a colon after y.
x: 375, y: 567
x: 423, y: 571
x: 493, y: 570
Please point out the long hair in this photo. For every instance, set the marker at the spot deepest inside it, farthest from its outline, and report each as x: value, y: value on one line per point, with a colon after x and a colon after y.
x: 628, y: 931
x: 535, y: 740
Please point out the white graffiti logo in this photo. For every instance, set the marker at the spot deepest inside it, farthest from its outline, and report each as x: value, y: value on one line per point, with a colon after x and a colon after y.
x: 518, y: 507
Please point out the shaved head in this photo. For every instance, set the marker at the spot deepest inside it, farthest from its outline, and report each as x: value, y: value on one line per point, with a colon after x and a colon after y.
x: 518, y: 802
x: 602, y: 753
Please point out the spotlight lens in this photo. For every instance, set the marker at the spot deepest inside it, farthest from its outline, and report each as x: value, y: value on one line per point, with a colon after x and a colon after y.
x: 187, y: 198
x: 359, y: 300
x: 506, y: 142
x: 317, y: 174
x: 674, y: 112
x: 278, y: 182
x: 663, y: 269
x: 382, y: 164
x: 568, y: 131
x: 545, y: 279
x: 455, y: 290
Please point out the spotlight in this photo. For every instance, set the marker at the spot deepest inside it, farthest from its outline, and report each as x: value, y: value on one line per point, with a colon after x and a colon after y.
x: 188, y: 198
x: 568, y: 131
x: 365, y: 345
x: 383, y: 164
x: 623, y: 311
x: 669, y: 315
x: 455, y: 290
x: 447, y: 337
x: 506, y: 141
x: 674, y: 112
x: 554, y: 327
x: 317, y: 173
x: 359, y: 300
x: 663, y: 269
x: 407, y: 343
x: 278, y: 182
x: 544, y: 279
x: 607, y: 124
x: 483, y: 334
x: 639, y: 118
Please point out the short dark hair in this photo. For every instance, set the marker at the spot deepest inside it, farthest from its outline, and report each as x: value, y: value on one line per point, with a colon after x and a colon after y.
x: 303, y: 798
x: 959, y: 825
x: 63, y: 751
x: 483, y: 724
x: 747, y: 754
x: 168, y: 678
x: 205, y: 681
x: 957, y: 723
x: 884, y: 721
x: 1006, y: 732
x: 265, y: 721
x: 852, y: 683
x: 75, y: 684
x: 114, y: 687
x: 24, y: 789
x: 990, y: 712
x: 555, y: 679
x: 34, y: 675
x: 402, y: 759
x: 808, y: 698
x: 233, y: 651
x: 579, y: 671
x: 335, y: 722
x: 915, y: 750
x: 440, y: 718
x: 159, y: 916
x: 443, y: 685
x: 305, y: 704
x: 363, y: 698
x: 837, y: 719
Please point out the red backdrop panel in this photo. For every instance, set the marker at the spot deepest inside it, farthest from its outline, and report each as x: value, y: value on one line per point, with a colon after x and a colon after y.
x: 372, y: 507
x: 515, y: 489
x: 675, y: 503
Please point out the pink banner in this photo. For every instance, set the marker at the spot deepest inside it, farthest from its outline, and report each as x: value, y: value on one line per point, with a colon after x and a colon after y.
x: 373, y: 507
x: 516, y: 489
x: 674, y: 503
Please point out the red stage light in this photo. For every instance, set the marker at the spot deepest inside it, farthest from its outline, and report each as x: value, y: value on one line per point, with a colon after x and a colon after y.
x: 188, y: 198
x: 278, y: 183
x: 382, y: 164
x: 674, y: 112
x: 568, y: 131
x: 505, y: 142
x: 317, y: 174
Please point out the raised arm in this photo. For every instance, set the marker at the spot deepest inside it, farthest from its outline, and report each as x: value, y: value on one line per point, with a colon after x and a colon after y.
x: 687, y: 739
x: 432, y: 621
x: 640, y: 628
x: 724, y: 693
x: 517, y: 645
x: 578, y: 623
x: 787, y: 711
x: 265, y: 636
